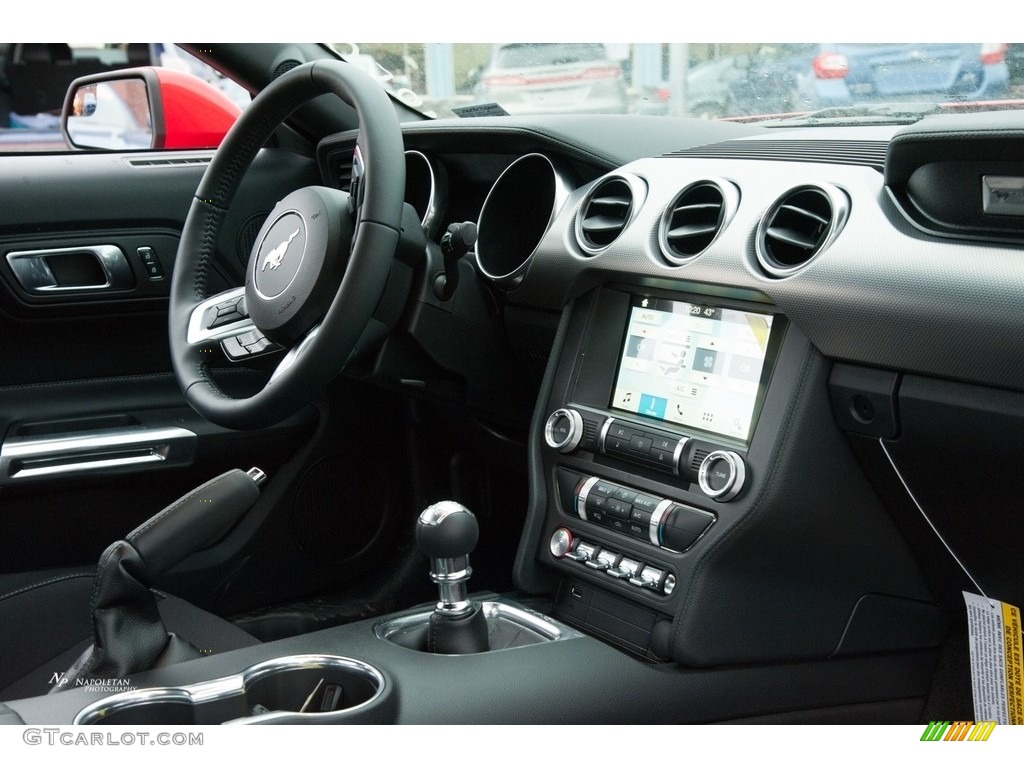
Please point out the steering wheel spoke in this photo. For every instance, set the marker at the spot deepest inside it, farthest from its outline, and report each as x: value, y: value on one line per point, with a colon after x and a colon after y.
x: 223, y: 318
x: 292, y: 356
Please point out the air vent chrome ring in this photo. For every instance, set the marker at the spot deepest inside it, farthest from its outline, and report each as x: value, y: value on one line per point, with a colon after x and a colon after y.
x: 799, y: 226
x: 695, y: 218
x: 608, y: 208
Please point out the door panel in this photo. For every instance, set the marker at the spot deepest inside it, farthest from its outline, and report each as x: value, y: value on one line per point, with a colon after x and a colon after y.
x: 87, y: 398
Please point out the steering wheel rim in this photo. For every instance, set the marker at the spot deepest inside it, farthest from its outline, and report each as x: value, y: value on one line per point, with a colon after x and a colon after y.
x: 321, y: 350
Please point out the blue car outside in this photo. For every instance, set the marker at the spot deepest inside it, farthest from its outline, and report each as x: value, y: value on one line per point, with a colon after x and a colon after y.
x: 843, y: 74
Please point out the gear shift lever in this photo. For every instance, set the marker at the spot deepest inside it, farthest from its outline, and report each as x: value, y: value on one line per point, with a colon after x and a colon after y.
x: 446, y: 533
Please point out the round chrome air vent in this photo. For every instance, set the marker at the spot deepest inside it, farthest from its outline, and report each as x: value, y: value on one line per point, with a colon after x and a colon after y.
x: 695, y: 217
x: 515, y: 216
x: 607, y: 210
x: 799, y: 226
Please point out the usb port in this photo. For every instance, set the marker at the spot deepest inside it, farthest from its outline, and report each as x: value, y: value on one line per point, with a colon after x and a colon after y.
x: 576, y: 592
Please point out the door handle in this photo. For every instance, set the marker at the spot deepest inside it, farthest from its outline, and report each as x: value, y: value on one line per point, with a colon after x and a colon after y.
x: 86, y: 268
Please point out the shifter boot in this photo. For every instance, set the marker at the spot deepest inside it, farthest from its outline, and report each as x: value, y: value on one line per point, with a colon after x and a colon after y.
x: 458, y: 634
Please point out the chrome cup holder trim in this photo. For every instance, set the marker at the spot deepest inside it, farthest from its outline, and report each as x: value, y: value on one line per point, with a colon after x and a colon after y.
x: 225, y: 688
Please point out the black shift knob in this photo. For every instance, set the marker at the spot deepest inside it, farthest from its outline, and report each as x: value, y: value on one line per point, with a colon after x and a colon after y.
x: 446, y: 530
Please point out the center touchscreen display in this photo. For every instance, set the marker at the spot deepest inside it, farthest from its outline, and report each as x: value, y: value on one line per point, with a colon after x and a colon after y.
x: 696, y: 365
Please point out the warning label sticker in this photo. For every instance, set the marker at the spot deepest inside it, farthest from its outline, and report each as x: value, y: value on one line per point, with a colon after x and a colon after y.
x: 997, y: 666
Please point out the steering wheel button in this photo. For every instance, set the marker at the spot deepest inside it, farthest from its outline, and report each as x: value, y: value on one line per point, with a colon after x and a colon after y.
x: 262, y: 345
x: 233, y: 349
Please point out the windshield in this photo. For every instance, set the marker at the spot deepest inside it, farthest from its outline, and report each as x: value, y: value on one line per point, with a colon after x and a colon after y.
x: 837, y: 82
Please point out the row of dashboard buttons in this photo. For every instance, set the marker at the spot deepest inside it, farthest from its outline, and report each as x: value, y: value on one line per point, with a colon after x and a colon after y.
x: 626, y: 440
x: 720, y: 473
x: 662, y: 522
x: 603, y: 560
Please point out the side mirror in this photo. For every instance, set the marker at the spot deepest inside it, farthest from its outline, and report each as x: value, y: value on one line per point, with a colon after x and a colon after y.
x: 145, y: 108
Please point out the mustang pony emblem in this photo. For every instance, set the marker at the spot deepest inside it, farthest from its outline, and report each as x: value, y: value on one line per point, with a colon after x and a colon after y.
x: 274, y: 258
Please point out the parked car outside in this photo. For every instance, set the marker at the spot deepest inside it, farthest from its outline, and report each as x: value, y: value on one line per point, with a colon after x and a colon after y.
x: 842, y: 74
x: 536, y: 78
x: 763, y: 82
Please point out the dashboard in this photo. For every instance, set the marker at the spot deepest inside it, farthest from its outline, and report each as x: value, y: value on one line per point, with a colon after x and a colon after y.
x: 762, y: 362
x: 768, y: 382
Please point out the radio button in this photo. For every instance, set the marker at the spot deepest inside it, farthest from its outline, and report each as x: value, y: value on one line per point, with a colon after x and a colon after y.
x: 564, y: 430
x: 616, y: 445
x: 666, y: 444
x: 619, y: 430
x: 664, y: 459
x: 640, y: 444
x: 721, y: 475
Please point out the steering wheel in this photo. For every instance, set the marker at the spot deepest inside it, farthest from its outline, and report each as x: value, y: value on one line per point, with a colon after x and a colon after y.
x: 319, y: 264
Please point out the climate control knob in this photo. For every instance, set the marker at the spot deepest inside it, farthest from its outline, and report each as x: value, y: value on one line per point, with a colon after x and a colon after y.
x: 564, y: 430
x: 721, y: 475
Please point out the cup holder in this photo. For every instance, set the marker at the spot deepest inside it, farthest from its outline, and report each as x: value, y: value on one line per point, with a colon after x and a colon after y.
x: 293, y: 689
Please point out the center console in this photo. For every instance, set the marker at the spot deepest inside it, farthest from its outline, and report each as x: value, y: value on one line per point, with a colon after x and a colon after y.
x: 651, y: 417
x: 691, y: 503
x: 683, y: 463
